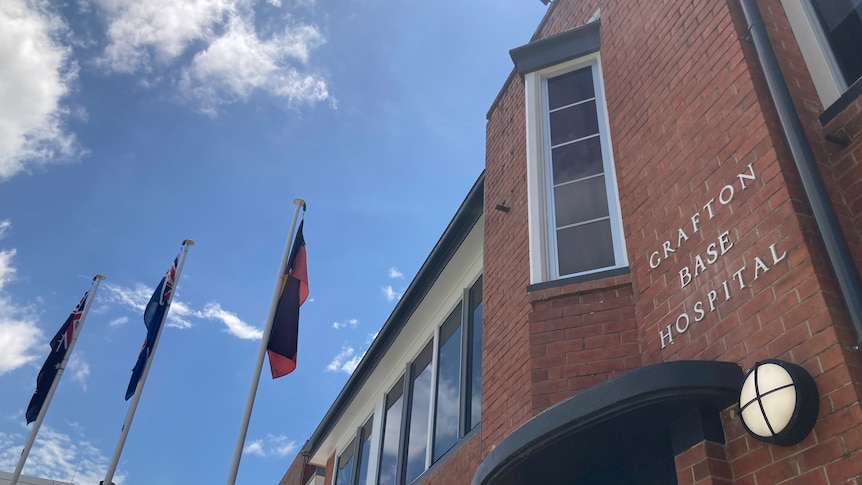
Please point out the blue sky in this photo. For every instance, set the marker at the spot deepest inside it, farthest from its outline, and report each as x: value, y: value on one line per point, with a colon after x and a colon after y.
x: 128, y: 126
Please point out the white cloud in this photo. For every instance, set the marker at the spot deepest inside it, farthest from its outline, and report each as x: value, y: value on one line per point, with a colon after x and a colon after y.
x: 19, y: 336
x: 132, y: 298
x: 7, y: 271
x: 141, y: 33
x: 239, y: 63
x: 254, y: 448
x: 230, y: 58
x: 178, y: 315
x: 347, y: 323
x: 79, y: 368
x: 235, y: 326
x: 346, y: 360
x: 273, y: 445
x: 116, y: 322
x: 390, y: 294
x: 57, y: 456
x: 38, y: 71
x: 181, y: 314
x: 394, y: 273
x: 4, y: 226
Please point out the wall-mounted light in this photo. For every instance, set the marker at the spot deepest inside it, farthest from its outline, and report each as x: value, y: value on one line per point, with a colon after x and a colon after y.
x: 779, y: 402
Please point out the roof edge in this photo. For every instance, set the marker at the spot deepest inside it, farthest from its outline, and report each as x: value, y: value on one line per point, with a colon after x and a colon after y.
x: 468, y: 213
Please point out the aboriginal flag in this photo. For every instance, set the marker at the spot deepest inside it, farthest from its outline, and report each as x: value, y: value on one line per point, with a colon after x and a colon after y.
x: 281, y: 346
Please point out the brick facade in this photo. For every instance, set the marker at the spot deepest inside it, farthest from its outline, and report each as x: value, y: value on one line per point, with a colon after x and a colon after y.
x: 703, y: 167
x: 688, y: 112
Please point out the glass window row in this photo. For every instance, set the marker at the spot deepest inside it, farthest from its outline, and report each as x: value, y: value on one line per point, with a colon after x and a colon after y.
x: 435, y: 404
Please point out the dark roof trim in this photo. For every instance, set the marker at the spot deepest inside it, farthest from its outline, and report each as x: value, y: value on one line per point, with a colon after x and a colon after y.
x: 703, y: 382
x: 845, y: 100
x: 556, y: 49
x: 459, y: 227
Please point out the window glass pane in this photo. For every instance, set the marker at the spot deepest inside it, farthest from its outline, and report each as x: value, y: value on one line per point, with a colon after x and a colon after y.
x: 391, y: 435
x: 475, y: 402
x: 345, y: 465
x: 448, y: 399
x: 580, y: 201
x: 585, y: 247
x: 842, y: 23
x: 417, y: 442
x: 570, y: 88
x: 577, y: 160
x: 574, y: 122
x: 364, y: 453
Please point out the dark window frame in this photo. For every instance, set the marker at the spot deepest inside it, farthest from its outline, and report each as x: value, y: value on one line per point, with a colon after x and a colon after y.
x: 472, y: 298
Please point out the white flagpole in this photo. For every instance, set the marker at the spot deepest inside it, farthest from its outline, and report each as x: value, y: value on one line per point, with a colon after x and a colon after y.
x: 36, y: 425
x: 130, y: 414
x: 267, y: 329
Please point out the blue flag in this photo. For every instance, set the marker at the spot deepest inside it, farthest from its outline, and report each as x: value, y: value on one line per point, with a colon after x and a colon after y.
x: 154, y: 315
x: 59, y: 347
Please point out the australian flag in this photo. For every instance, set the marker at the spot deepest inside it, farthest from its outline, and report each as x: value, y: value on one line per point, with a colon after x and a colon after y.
x: 59, y: 346
x: 154, y: 316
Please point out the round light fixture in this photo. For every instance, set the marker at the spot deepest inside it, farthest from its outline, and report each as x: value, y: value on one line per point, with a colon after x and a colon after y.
x: 779, y: 402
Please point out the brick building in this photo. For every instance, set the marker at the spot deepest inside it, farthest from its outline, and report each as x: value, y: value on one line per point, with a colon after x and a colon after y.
x: 672, y: 194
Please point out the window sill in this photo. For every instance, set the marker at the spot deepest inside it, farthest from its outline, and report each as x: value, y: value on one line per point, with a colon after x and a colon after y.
x: 853, y: 93
x: 579, y: 284
x: 467, y: 437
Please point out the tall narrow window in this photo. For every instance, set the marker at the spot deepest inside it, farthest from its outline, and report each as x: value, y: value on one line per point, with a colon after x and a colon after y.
x: 345, y: 465
x: 474, y: 390
x: 420, y: 407
x: 391, y: 435
x: 364, y: 452
x: 575, y: 226
x: 581, y: 219
x: 447, y: 402
x: 841, y: 21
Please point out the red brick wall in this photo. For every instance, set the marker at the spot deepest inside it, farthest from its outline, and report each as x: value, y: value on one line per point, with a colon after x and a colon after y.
x: 298, y: 473
x: 703, y: 464
x: 841, y: 167
x: 506, y: 401
x: 580, y: 335
x: 330, y: 469
x: 688, y: 113
x: 459, y: 465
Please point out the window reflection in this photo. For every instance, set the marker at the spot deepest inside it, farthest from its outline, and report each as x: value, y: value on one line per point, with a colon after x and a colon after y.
x: 475, y: 393
x: 364, y: 453
x: 391, y: 435
x: 448, y: 385
x: 417, y: 443
x: 345, y: 465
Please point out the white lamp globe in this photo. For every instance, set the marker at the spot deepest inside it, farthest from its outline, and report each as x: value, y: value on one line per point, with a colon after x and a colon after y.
x: 778, y: 402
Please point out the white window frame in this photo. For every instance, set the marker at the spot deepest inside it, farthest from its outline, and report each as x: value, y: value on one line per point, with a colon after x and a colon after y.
x: 543, y: 251
x: 816, y: 51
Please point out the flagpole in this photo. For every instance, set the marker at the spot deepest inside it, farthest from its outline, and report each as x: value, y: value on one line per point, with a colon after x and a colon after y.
x: 36, y: 425
x: 130, y: 414
x: 267, y: 329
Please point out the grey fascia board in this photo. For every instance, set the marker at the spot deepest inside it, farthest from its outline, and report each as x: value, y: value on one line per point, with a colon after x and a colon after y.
x: 556, y: 49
